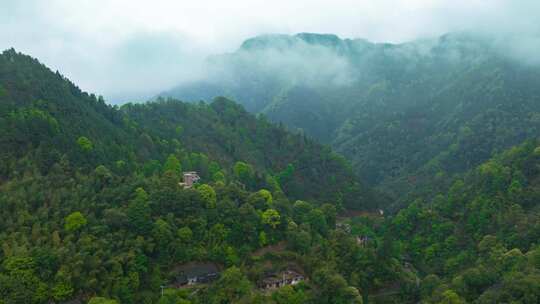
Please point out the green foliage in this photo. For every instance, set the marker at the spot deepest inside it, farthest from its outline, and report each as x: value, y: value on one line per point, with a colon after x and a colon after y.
x: 537, y: 151
x: 287, y: 295
x: 100, y: 300
x: 263, y: 239
x: 139, y: 213
x: 479, y: 231
x: 20, y: 283
x: 271, y: 218
x: 333, y: 288
x: 75, y: 221
x: 243, y: 172
x: 286, y: 175
x: 85, y: 144
x: 208, y: 194
x: 266, y: 195
x: 62, y: 291
x: 450, y: 297
x: 172, y: 165
x: 231, y: 287
x: 218, y: 177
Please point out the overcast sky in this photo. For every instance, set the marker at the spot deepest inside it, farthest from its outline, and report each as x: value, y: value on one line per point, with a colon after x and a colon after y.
x: 135, y: 49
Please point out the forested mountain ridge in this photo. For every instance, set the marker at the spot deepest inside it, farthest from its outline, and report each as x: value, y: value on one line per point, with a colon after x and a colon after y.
x: 401, y: 113
x: 43, y: 114
x: 46, y: 117
x: 225, y: 132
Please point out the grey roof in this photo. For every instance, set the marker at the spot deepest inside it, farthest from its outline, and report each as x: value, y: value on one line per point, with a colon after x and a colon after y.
x: 195, y: 269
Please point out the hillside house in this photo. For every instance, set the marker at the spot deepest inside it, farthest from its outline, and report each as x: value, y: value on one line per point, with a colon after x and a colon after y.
x: 278, y: 280
x: 190, y: 178
x: 344, y: 227
x: 362, y: 240
x: 195, y: 273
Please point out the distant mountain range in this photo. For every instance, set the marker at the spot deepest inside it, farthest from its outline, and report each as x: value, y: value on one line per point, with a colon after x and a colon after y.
x: 402, y: 113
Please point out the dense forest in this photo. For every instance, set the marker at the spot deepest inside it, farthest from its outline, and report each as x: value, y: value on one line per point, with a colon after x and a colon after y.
x: 93, y: 210
x: 401, y: 113
x: 90, y: 192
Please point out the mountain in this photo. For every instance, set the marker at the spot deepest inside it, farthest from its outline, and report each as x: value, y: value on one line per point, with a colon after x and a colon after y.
x: 92, y: 206
x: 403, y: 114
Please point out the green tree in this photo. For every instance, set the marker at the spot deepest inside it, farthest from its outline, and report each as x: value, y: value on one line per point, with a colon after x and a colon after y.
x: 208, y: 194
x: 185, y: 234
x: 271, y: 218
x: 20, y: 283
x: 62, y: 291
x: 288, y: 295
x: 100, y: 300
x: 330, y: 214
x: 162, y: 232
x: 172, y: 164
x: 450, y: 297
x: 243, y: 172
x: 263, y: 240
x: 333, y: 288
x: 301, y: 210
x: 218, y: 177
x: 85, y: 144
x: 317, y: 221
x: 139, y: 213
x: 267, y: 196
x: 75, y: 221
x: 231, y: 287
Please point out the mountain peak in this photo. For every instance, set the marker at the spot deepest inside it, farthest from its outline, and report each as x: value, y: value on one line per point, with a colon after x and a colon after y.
x: 280, y: 41
x: 284, y: 41
x: 323, y: 39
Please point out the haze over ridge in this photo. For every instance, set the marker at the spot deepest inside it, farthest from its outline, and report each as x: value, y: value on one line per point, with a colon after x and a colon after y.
x: 155, y: 46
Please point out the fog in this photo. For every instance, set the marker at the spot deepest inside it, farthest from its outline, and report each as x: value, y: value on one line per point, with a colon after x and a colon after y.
x: 285, y: 59
x: 132, y: 50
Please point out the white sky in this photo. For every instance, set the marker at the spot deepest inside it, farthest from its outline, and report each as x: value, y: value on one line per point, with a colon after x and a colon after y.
x: 136, y: 48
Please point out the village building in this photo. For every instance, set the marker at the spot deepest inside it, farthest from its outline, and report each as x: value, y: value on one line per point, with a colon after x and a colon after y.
x: 195, y: 273
x: 362, y: 240
x: 190, y: 178
x: 278, y: 280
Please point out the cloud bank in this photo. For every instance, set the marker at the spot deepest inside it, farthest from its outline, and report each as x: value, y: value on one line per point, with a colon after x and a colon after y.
x: 132, y: 49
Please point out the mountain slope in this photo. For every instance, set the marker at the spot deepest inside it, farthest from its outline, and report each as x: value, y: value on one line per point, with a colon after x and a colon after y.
x: 46, y: 118
x: 43, y: 114
x: 478, y: 241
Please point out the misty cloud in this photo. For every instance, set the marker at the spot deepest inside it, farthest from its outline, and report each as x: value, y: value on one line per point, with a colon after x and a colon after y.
x: 523, y: 48
x: 128, y: 49
x: 147, y: 62
x: 297, y: 63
